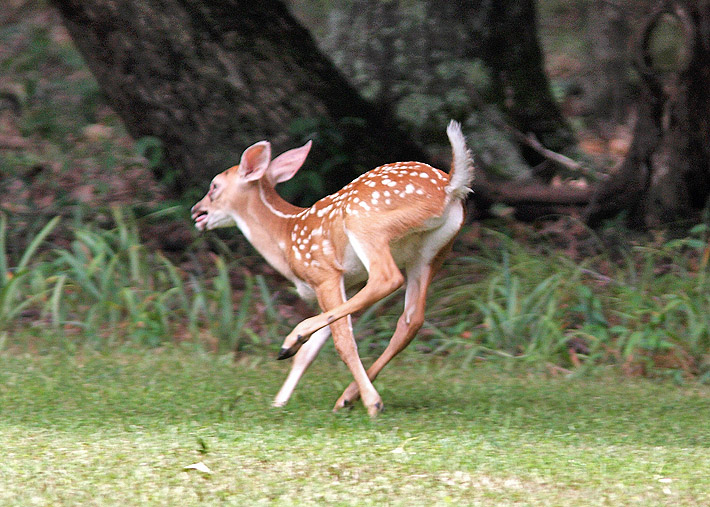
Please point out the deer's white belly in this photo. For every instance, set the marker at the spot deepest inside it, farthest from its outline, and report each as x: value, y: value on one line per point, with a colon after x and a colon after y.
x: 418, y: 247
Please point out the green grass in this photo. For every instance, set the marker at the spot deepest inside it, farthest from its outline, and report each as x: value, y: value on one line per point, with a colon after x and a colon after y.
x: 120, y: 428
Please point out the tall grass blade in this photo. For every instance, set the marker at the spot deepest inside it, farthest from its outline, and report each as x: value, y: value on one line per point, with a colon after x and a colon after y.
x: 266, y: 297
x: 3, y: 249
x: 242, y: 315
x: 79, y: 273
x: 36, y: 242
x: 176, y: 282
x: 55, y: 301
x: 224, y: 312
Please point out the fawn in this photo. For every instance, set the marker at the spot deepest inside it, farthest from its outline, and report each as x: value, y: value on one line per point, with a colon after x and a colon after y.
x: 403, y: 215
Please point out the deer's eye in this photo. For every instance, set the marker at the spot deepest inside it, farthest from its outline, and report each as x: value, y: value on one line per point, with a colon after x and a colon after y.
x: 213, y: 190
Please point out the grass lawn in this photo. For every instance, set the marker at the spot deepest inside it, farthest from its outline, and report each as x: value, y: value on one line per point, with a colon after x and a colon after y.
x: 119, y: 429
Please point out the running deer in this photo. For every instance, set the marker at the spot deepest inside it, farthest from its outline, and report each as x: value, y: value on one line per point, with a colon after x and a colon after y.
x: 397, y: 216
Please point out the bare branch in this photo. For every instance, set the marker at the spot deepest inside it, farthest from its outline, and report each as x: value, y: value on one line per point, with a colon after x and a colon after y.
x: 532, y: 141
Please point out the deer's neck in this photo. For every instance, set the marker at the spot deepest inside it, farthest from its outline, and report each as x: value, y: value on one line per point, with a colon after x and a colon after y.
x: 266, y: 223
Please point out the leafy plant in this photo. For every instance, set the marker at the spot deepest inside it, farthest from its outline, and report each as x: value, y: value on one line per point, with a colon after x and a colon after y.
x: 16, y: 289
x: 522, y: 322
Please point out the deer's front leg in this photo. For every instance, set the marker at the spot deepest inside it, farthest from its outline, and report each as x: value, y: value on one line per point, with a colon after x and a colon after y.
x: 300, y: 335
x: 383, y: 280
x: 347, y: 349
x: 301, y: 362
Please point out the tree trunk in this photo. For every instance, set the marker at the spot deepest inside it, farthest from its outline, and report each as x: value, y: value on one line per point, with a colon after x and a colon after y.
x: 210, y: 77
x: 666, y: 175
x: 519, y: 80
x: 608, y: 90
x: 423, y: 58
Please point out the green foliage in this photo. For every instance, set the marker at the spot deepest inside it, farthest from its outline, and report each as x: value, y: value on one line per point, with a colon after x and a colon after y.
x: 19, y: 287
x: 648, y: 313
x: 114, y: 285
x: 329, y: 162
x: 512, y: 318
x: 152, y: 149
x: 107, y: 288
x: 514, y: 311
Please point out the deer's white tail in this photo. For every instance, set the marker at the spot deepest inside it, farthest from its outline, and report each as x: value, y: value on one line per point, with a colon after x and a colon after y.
x: 461, y: 174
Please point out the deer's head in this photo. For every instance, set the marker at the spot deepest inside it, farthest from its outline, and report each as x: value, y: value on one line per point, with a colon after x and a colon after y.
x: 231, y: 190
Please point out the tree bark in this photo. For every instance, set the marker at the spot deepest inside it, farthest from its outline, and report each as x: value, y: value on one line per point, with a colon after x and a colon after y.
x: 520, y: 83
x: 210, y: 77
x: 608, y: 90
x: 666, y: 175
x: 425, y: 56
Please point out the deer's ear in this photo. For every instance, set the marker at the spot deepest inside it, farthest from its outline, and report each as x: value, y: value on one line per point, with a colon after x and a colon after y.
x: 255, y: 160
x: 283, y: 167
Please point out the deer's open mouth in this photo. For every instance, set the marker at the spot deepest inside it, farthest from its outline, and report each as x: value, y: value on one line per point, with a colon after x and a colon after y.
x: 200, y: 218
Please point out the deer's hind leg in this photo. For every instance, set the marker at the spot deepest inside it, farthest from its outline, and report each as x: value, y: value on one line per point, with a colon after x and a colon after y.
x: 420, y: 273
x: 408, y: 325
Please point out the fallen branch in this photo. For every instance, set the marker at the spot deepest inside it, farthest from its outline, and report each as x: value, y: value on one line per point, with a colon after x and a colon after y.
x: 515, y: 194
x: 13, y: 143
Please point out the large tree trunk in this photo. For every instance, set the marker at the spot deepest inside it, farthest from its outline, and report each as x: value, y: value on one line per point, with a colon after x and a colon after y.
x: 210, y: 77
x: 422, y: 59
x: 666, y: 175
x: 606, y: 81
x: 520, y: 83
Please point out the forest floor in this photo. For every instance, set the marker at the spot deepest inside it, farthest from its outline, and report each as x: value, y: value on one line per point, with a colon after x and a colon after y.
x: 181, y: 426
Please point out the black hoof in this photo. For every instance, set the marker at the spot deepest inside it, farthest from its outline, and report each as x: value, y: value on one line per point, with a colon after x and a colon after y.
x: 285, y: 354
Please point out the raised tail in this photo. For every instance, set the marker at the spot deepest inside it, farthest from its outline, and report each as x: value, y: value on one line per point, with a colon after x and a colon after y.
x: 461, y: 174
